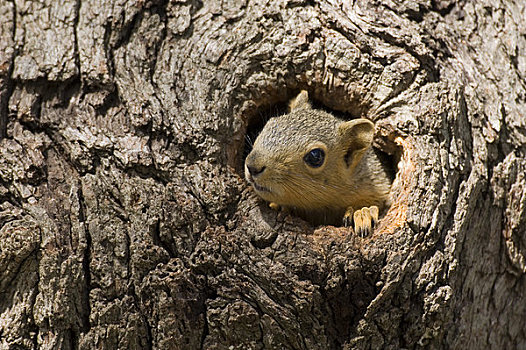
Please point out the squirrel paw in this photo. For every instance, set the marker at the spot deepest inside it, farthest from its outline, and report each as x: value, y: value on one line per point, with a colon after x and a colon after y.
x: 274, y: 206
x: 278, y: 208
x: 364, y: 220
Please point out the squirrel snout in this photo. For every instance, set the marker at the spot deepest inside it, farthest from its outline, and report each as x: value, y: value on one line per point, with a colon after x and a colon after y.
x: 255, y: 171
x: 254, y: 165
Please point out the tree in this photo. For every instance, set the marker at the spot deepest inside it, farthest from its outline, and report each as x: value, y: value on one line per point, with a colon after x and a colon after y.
x: 126, y: 222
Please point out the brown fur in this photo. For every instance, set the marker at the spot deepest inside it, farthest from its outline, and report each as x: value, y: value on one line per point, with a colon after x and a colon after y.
x: 351, y: 177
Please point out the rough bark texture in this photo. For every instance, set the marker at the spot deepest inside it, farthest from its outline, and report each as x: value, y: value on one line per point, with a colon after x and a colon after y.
x: 125, y: 222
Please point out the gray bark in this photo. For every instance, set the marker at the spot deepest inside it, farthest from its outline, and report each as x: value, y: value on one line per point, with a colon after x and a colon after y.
x: 125, y: 220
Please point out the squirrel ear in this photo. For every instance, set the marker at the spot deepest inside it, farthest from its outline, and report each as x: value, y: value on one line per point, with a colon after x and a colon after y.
x: 356, y: 136
x: 357, y: 133
x: 299, y: 102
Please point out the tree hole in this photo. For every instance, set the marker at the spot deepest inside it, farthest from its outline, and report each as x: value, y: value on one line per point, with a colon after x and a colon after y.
x: 388, y: 152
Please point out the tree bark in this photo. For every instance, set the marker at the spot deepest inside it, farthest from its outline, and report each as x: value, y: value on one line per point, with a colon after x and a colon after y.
x: 125, y: 219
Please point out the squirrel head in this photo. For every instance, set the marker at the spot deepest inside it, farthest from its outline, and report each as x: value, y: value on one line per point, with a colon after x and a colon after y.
x: 306, y: 158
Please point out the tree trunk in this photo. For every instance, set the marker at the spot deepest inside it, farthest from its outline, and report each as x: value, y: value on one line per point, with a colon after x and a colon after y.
x: 125, y: 219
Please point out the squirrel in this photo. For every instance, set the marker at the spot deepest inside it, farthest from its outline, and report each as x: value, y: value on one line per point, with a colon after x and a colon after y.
x: 321, y: 168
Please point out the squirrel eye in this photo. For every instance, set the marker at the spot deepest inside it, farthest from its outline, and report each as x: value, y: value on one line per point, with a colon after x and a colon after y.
x: 315, y: 158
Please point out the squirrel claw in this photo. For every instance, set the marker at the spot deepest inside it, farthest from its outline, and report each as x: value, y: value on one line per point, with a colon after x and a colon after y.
x: 364, y: 219
x: 348, y: 217
x: 274, y: 206
x: 278, y: 208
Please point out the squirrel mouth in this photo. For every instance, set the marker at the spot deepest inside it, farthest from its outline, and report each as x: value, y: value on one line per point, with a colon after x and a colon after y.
x: 260, y: 188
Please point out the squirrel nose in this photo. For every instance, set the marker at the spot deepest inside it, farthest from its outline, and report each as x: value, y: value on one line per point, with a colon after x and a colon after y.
x: 255, y: 171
